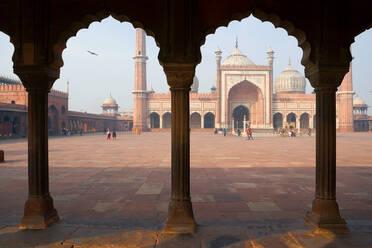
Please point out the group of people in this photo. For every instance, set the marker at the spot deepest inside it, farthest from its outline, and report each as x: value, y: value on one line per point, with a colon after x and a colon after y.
x: 69, y: 132
x: 249, y: 132
x: 108, y: 135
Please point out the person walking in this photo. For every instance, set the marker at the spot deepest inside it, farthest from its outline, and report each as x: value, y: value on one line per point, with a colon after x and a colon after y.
x: 224, y: 132
x: 250, y: 133
x: 108, y: 134
x: 114, y: 135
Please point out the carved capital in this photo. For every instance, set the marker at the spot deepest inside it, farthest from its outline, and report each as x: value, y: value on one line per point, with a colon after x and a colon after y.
x: 36, y: 77
x: 179, y: 76
x: 326, y: 76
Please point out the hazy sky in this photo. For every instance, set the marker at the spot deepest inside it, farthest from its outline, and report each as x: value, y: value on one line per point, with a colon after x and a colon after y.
x: 93, y: 78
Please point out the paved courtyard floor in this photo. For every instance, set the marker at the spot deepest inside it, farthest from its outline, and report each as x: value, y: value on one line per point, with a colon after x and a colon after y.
x: 244, y: 193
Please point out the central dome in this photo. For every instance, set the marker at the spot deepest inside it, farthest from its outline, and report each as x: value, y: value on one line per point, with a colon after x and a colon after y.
x: 237, y: 58
x: 290, y: 81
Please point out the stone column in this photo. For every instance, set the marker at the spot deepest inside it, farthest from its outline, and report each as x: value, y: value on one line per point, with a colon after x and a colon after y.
x: 325, y: 212
x: 160, y: 121
x: 39, y: 211
x: 180, y: 213
x: 202, y: 121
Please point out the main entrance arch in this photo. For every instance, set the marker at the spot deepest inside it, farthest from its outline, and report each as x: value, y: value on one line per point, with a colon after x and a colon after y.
x: 245, y: 98
x: 238, y: 114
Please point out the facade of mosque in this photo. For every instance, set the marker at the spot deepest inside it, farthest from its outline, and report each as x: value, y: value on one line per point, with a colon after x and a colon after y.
x: 13, y: 113
x: 245, y: 95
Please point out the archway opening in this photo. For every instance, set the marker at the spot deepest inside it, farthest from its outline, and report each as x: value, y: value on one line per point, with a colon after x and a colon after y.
x: 304, y: 121
x: 240, y: 114
x: 154, y: 120
x: 167, y: 120
x: 195, y: 120
x: 209, y: 120
x: 278, y: 121
x: 291, y: 120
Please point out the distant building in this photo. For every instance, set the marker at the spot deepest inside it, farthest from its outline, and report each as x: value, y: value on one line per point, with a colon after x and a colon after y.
x: 13, y: 113
x: 244, y: 93
x: 361, y: 118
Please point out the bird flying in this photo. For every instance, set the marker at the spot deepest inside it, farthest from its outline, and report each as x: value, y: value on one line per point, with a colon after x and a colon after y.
x: 92, y: 53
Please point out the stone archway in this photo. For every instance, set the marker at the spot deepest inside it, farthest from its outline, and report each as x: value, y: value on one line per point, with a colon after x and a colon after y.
x: 239, y: 113
x: 167, y: 120
x: 304, y: 121
x: 154, y: 120
x: 291, y: 120
x: 195, y: 120
x: 278, y: 121
x: 209, y: 120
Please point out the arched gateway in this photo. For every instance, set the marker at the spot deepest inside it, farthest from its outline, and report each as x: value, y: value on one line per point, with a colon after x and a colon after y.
x: 245, y: 99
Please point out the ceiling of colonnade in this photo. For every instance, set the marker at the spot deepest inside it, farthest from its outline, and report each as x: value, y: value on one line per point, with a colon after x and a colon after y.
x: 179, y: 27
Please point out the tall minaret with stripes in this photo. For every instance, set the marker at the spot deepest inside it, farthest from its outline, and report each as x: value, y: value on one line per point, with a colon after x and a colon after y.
x: 140, y: 90
x: 345, y: 103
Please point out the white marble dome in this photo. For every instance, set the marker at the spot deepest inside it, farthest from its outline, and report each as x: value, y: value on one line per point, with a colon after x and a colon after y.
x: 195, y: 85
x: 236, y: 58
x: 290, y: 81
x: 110, y: 101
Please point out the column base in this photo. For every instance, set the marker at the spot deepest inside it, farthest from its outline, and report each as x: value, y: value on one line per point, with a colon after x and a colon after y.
x: 325, y: 214
x: 180, y: 217
x: 39, y: 213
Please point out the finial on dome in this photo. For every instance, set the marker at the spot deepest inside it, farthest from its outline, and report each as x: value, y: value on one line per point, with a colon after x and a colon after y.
x: 289, y: 61
x: 236, y: 42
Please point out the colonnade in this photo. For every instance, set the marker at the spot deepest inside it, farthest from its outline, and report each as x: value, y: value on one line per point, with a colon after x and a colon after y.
x: 39, y: 210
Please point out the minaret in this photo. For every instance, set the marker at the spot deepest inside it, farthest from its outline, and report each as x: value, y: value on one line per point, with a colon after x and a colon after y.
x: 270, y: 59
x: 139, y: 92
x: 345, y: 103
x: 218, y: 84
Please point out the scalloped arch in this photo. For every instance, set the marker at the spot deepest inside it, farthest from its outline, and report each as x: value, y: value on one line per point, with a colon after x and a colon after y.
x: 84, y: 22
x: 275, y: 19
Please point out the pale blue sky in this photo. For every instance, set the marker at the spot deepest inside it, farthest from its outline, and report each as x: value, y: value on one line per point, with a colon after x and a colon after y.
x: 93, y: 78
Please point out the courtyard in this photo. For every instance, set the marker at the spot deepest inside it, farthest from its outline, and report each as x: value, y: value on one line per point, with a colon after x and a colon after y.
x: 245, y: 193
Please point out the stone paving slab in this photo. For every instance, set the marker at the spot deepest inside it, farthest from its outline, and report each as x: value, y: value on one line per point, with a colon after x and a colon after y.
x: 244, y: 193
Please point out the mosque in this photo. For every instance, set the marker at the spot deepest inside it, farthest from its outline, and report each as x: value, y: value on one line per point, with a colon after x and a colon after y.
x: 245, y: 93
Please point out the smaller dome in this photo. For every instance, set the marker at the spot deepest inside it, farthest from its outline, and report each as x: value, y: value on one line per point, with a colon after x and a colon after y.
x: 195, y: 85
x: 290, y: 81
x: 358, y: 101
x: 110, y: 101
